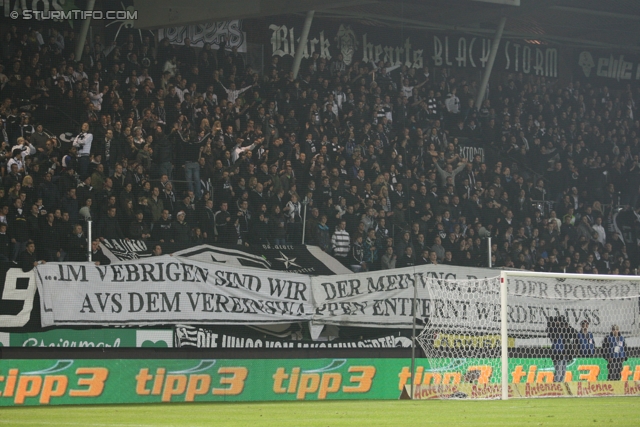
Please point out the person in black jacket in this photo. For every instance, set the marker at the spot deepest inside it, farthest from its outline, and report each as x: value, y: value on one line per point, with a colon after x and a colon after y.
x: 5, y: 243
x: 563, y: 338
x: 163, y: 153
x: 181, y: 230
x: 229, y: 234
x: 407, y: 259
x: 97, y: 256
x: 18, y: 229
x: 76, y: 245
x: 260, y: 230
x: 50, y: 238
x: 28, y: 259
x: 139, y: 229
x: 356, y: 255
x: 162, y: 229
x: 110, y: 227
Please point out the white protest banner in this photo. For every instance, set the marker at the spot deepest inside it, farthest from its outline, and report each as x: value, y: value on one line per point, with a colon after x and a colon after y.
x: 167, y: 290
x: 383, y: 299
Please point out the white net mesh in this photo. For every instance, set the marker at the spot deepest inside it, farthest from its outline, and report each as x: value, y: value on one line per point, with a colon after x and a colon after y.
x: 568, y: 335
x: 461, y: 338
x: 569, y: 329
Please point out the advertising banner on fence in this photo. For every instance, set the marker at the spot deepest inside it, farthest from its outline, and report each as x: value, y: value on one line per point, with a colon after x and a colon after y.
x: 90, y: 338
x: 494, y: 391
x: 195, y: 337
x: 383, y: 299
x: 65, y: 382
x: 169, y: 291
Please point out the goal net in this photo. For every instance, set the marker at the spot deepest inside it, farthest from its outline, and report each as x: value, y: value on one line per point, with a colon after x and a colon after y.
x: 527, y: 334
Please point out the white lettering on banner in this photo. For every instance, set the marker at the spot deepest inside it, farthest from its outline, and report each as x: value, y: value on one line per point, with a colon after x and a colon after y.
x: 283, y: 42
x: 610, y: 67
x: 470, y: 153
x: 211, y: 32
x: 614, y: 68
x: 447, y: 51
x: 517, y: 59
x: 187, y: 336
x: 18, y: 286
x: 383, y: 299
x: 169, y: 290
x: 460, y: 299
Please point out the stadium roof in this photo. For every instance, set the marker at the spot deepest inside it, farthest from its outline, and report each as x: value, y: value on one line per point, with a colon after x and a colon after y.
x: 585, y: 23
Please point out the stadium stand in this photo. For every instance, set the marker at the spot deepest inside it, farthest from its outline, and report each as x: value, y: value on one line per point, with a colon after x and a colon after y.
x: 182, y: 147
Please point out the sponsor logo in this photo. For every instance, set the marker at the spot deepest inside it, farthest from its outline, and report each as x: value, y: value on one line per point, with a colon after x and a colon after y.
x: 434, y: 391
x: 323, y: 381
x: 595, y: 389
x: 485, y: 391
x: 186, y: 384
x: 631, y: 388
x: 544, y: 390
x: 45, y: 384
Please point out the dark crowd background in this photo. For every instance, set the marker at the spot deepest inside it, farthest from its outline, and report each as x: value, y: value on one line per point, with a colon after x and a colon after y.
x: 182, y: 146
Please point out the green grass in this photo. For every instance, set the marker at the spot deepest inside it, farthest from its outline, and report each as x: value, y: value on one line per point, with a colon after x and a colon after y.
x: 531, y: 412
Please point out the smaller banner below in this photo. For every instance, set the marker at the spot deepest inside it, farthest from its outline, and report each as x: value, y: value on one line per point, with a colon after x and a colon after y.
x: 494, y: 391
x: 90, y: 338
x: 125, y: 250
x: 194, y: 337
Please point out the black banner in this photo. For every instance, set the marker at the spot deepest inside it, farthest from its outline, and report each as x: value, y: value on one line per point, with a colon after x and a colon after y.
x: 415, y: 49
x: 300, y: 259
x: 223, y: 338
x: 19, y: 299
x: 606, y: 67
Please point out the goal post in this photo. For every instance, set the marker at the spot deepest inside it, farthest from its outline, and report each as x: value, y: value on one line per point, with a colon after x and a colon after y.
x: 530, y: 334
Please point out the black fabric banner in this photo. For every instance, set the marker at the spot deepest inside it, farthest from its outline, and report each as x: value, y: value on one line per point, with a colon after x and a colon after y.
x: 225, y: 338
x: 300, y: 259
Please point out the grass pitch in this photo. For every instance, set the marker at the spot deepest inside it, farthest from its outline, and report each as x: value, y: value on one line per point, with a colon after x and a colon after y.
x: 532, y: 412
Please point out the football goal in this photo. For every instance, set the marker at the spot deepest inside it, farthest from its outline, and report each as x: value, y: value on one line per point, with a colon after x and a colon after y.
x: 529, y: 334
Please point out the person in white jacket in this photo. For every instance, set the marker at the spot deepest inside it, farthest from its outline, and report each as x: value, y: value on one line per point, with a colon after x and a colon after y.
x: 82, y: 142
x: 239, y: 149
x: 602, y: 234
x: 340, y: 241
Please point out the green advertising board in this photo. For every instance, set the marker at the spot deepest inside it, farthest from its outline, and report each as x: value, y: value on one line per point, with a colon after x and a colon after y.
x: 116, y: 337
x: 56, y: 382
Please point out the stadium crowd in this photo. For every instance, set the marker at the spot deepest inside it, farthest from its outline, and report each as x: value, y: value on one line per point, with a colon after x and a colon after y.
x: 181, y: 146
